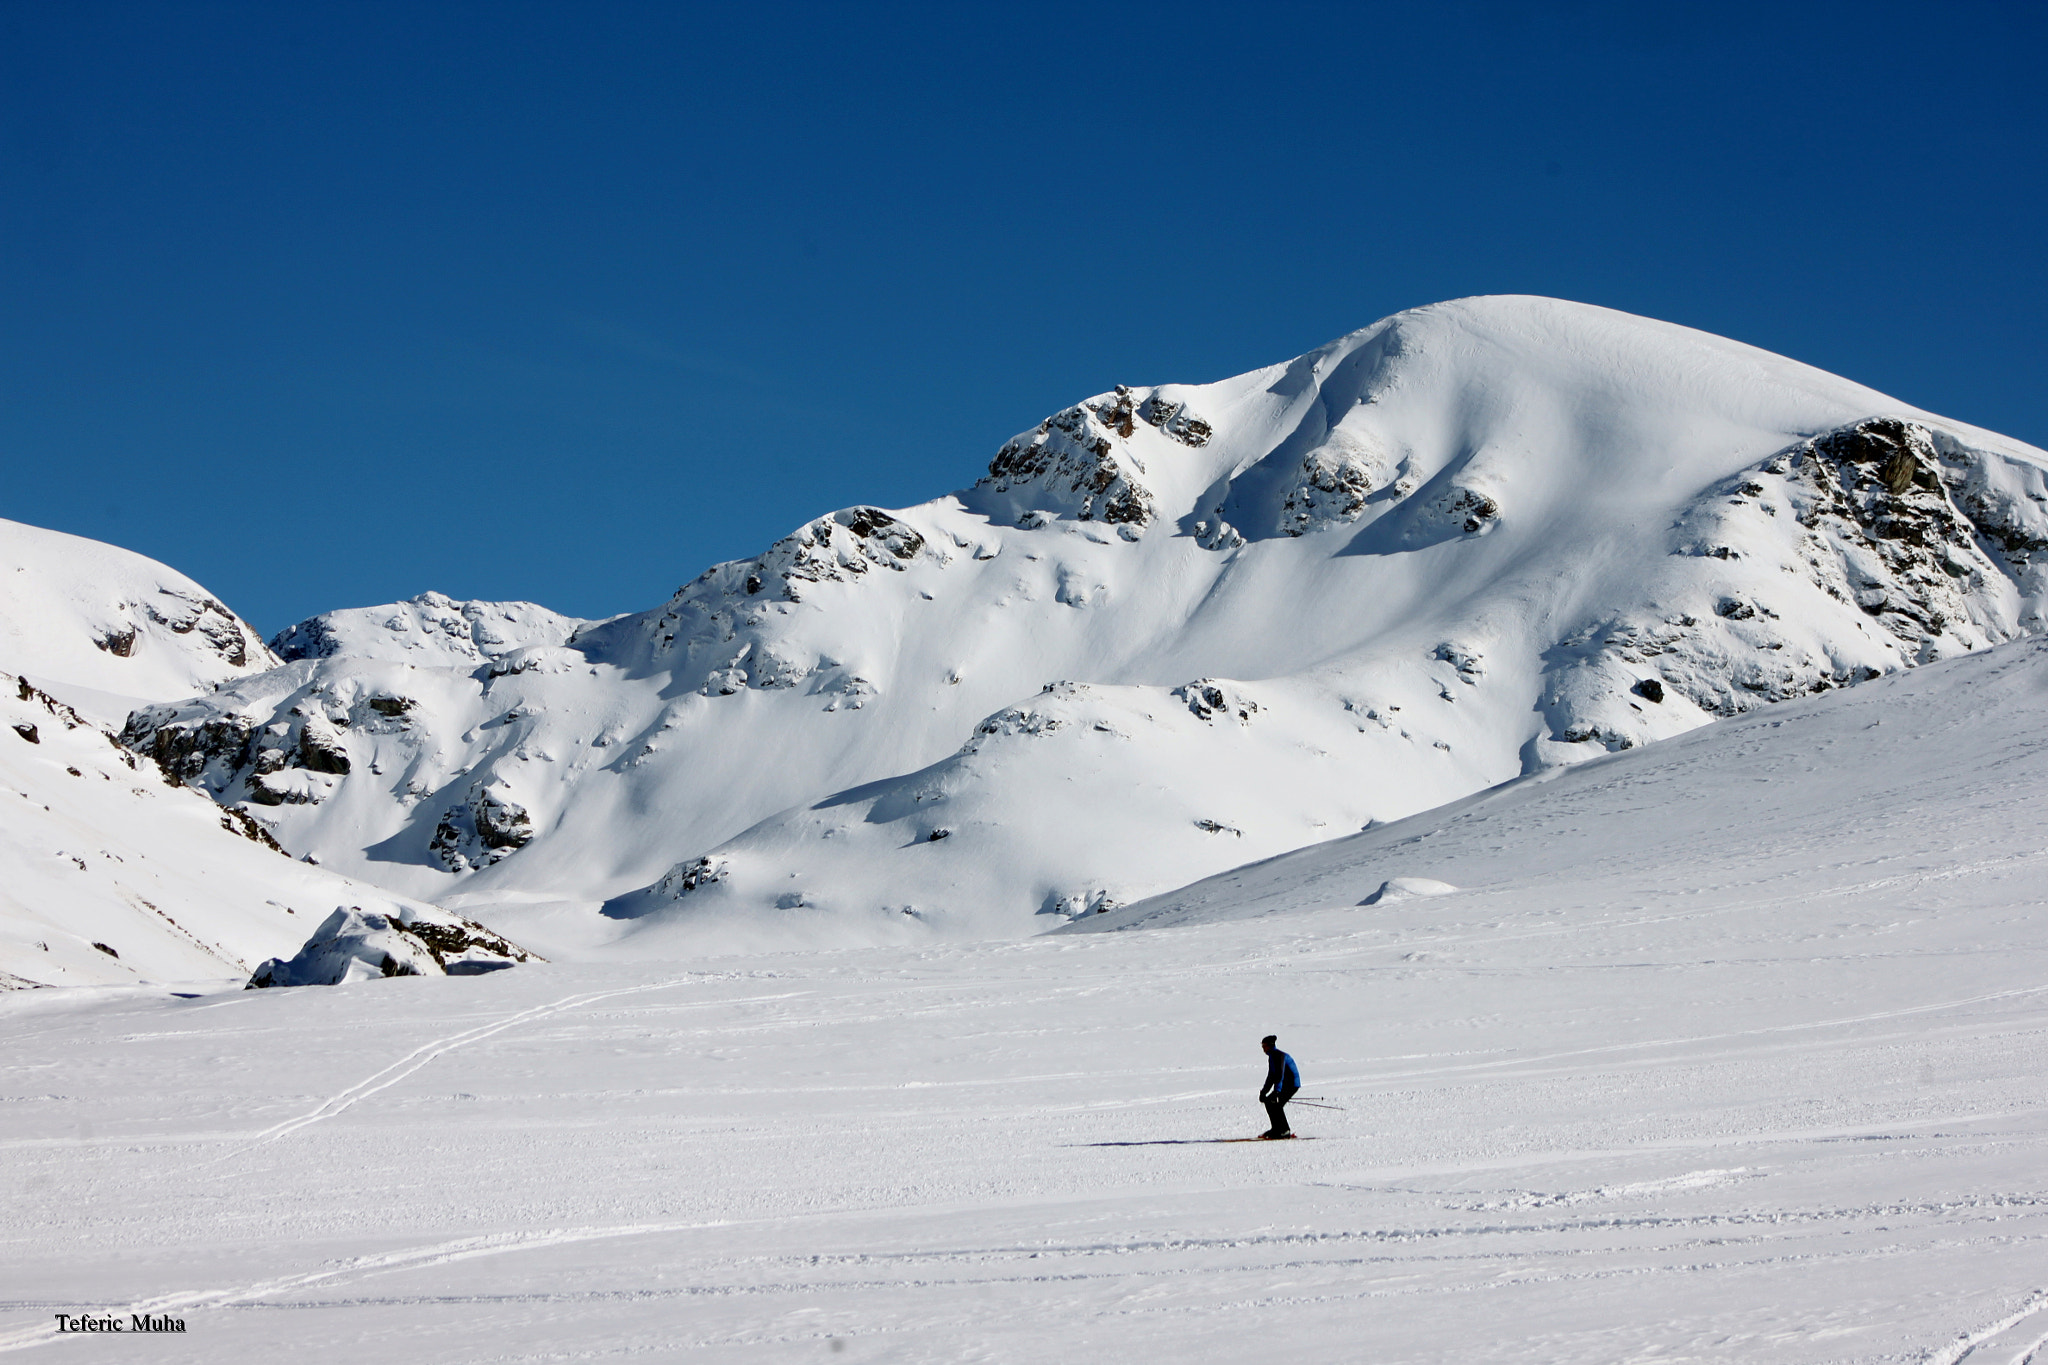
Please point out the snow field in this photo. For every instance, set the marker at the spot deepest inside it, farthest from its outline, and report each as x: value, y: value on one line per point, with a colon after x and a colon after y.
x: 1725, y: 1126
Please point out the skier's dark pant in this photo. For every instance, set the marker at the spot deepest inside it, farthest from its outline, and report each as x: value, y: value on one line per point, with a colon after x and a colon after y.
x: 1276, y: 1109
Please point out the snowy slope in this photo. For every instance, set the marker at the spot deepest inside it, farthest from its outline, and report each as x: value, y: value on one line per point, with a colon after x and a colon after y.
x: 109, y: 876
x: 1728, y: 1050
x: 1936, y: 774
x: 1471, y: 541
x: 107, y: 630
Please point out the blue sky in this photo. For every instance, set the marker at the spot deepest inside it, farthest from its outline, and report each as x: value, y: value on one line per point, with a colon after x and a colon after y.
x: 329, y: 305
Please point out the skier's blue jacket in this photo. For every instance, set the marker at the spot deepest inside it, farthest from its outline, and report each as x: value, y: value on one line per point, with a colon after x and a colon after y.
x: 1282, y: 1076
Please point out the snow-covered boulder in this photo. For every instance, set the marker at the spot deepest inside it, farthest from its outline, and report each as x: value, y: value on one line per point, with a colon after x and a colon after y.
x: 354, y: 944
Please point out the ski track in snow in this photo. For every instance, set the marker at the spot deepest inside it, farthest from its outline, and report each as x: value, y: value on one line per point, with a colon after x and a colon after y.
x: 1775, y: 1099
x: 892, y: 1164
x: 420, y: 1056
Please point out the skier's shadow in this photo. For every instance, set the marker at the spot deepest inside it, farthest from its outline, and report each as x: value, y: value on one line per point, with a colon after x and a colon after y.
x: 1170, y: 1142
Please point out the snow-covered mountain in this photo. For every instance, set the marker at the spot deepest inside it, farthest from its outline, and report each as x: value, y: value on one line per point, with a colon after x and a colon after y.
x: 1171, y: 630
x: 107, y: 874
x: 108, y: 630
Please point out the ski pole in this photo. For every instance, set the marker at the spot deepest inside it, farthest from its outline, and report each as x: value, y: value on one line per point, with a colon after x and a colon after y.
x: 1317, y: 1104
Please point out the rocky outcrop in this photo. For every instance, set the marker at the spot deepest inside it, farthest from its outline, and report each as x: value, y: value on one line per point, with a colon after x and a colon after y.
x: 686, y: 877
x: 224, y: 633
x: 485, y: 829
x: 1080, y: 461
x: 354, y: 944
x: 185, y: 749
x: 1865, y: 522
x: 1208, y: 699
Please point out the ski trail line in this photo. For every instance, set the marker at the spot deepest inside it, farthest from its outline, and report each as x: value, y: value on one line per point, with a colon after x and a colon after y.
x: 427, y: 1052
x: 1650, y: 1043
x: 440, y: 1253
x: 1967, y: 1344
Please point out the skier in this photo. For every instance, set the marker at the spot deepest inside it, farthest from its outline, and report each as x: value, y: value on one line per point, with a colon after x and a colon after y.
x: 1283, y: 1078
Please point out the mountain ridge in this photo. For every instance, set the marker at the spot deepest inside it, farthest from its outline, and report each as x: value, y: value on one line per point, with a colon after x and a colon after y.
x: 1382, y: 545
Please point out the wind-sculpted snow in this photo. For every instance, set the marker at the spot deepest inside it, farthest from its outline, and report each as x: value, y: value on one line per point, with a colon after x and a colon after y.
x: 1472, y: 541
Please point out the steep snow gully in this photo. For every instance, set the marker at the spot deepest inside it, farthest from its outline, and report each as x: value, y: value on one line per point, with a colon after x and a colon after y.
x: 1610, y: 757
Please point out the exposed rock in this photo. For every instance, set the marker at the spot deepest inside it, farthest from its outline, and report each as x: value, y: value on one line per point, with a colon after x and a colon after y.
x: 241, y: 822
x: 485, y: 829
x: 1336, y: 479
x: 28, y: 732
x: 354, y: 944
x: 1468, y: 661
x: 1473, y: 510
x: 185, y: 749
x: 1078, y: 456
x: 1172, y: 418
x: 686, y: 877
x: 1075, y: 904
x: 320, y: 748
x: 1207, y: 699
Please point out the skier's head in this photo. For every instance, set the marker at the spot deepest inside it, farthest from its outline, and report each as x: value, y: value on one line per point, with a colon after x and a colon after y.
x: 1267, y: 1042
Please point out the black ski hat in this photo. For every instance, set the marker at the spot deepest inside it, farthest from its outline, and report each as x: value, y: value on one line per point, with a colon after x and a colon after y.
x: 1269, y: 1040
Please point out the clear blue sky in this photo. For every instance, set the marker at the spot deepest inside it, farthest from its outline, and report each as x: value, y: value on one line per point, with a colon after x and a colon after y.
x: 327, y: 305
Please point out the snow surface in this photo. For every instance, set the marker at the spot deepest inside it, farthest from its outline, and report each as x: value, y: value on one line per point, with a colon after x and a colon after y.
x: 1172, y: 630
x: 106, y: 630
x: 1723, y: 1049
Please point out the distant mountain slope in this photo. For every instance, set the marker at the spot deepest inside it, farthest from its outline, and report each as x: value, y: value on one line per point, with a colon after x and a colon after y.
x: 109, y: 630
x: 1857, y: 795
x: 108, y: 876
x: 1471, y: 541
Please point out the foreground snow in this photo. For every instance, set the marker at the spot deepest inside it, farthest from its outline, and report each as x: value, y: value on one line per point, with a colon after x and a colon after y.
x: 1724, y: 1049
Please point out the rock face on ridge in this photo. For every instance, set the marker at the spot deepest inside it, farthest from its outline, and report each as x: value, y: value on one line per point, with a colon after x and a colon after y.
x: 1471, y: 541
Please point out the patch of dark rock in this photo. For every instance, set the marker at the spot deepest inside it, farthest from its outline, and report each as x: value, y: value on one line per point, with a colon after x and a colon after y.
x: 241, y: 822
x: 119, y: 643
x: 391, y: 706
x: 1734, y: 609
x: 105, y: 949
x: 1650, y: 689
x: 321, y: 754
x: 937, y: 835
x: 1218, y: 827
x: 28, y: 732
x: 182, y: 752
